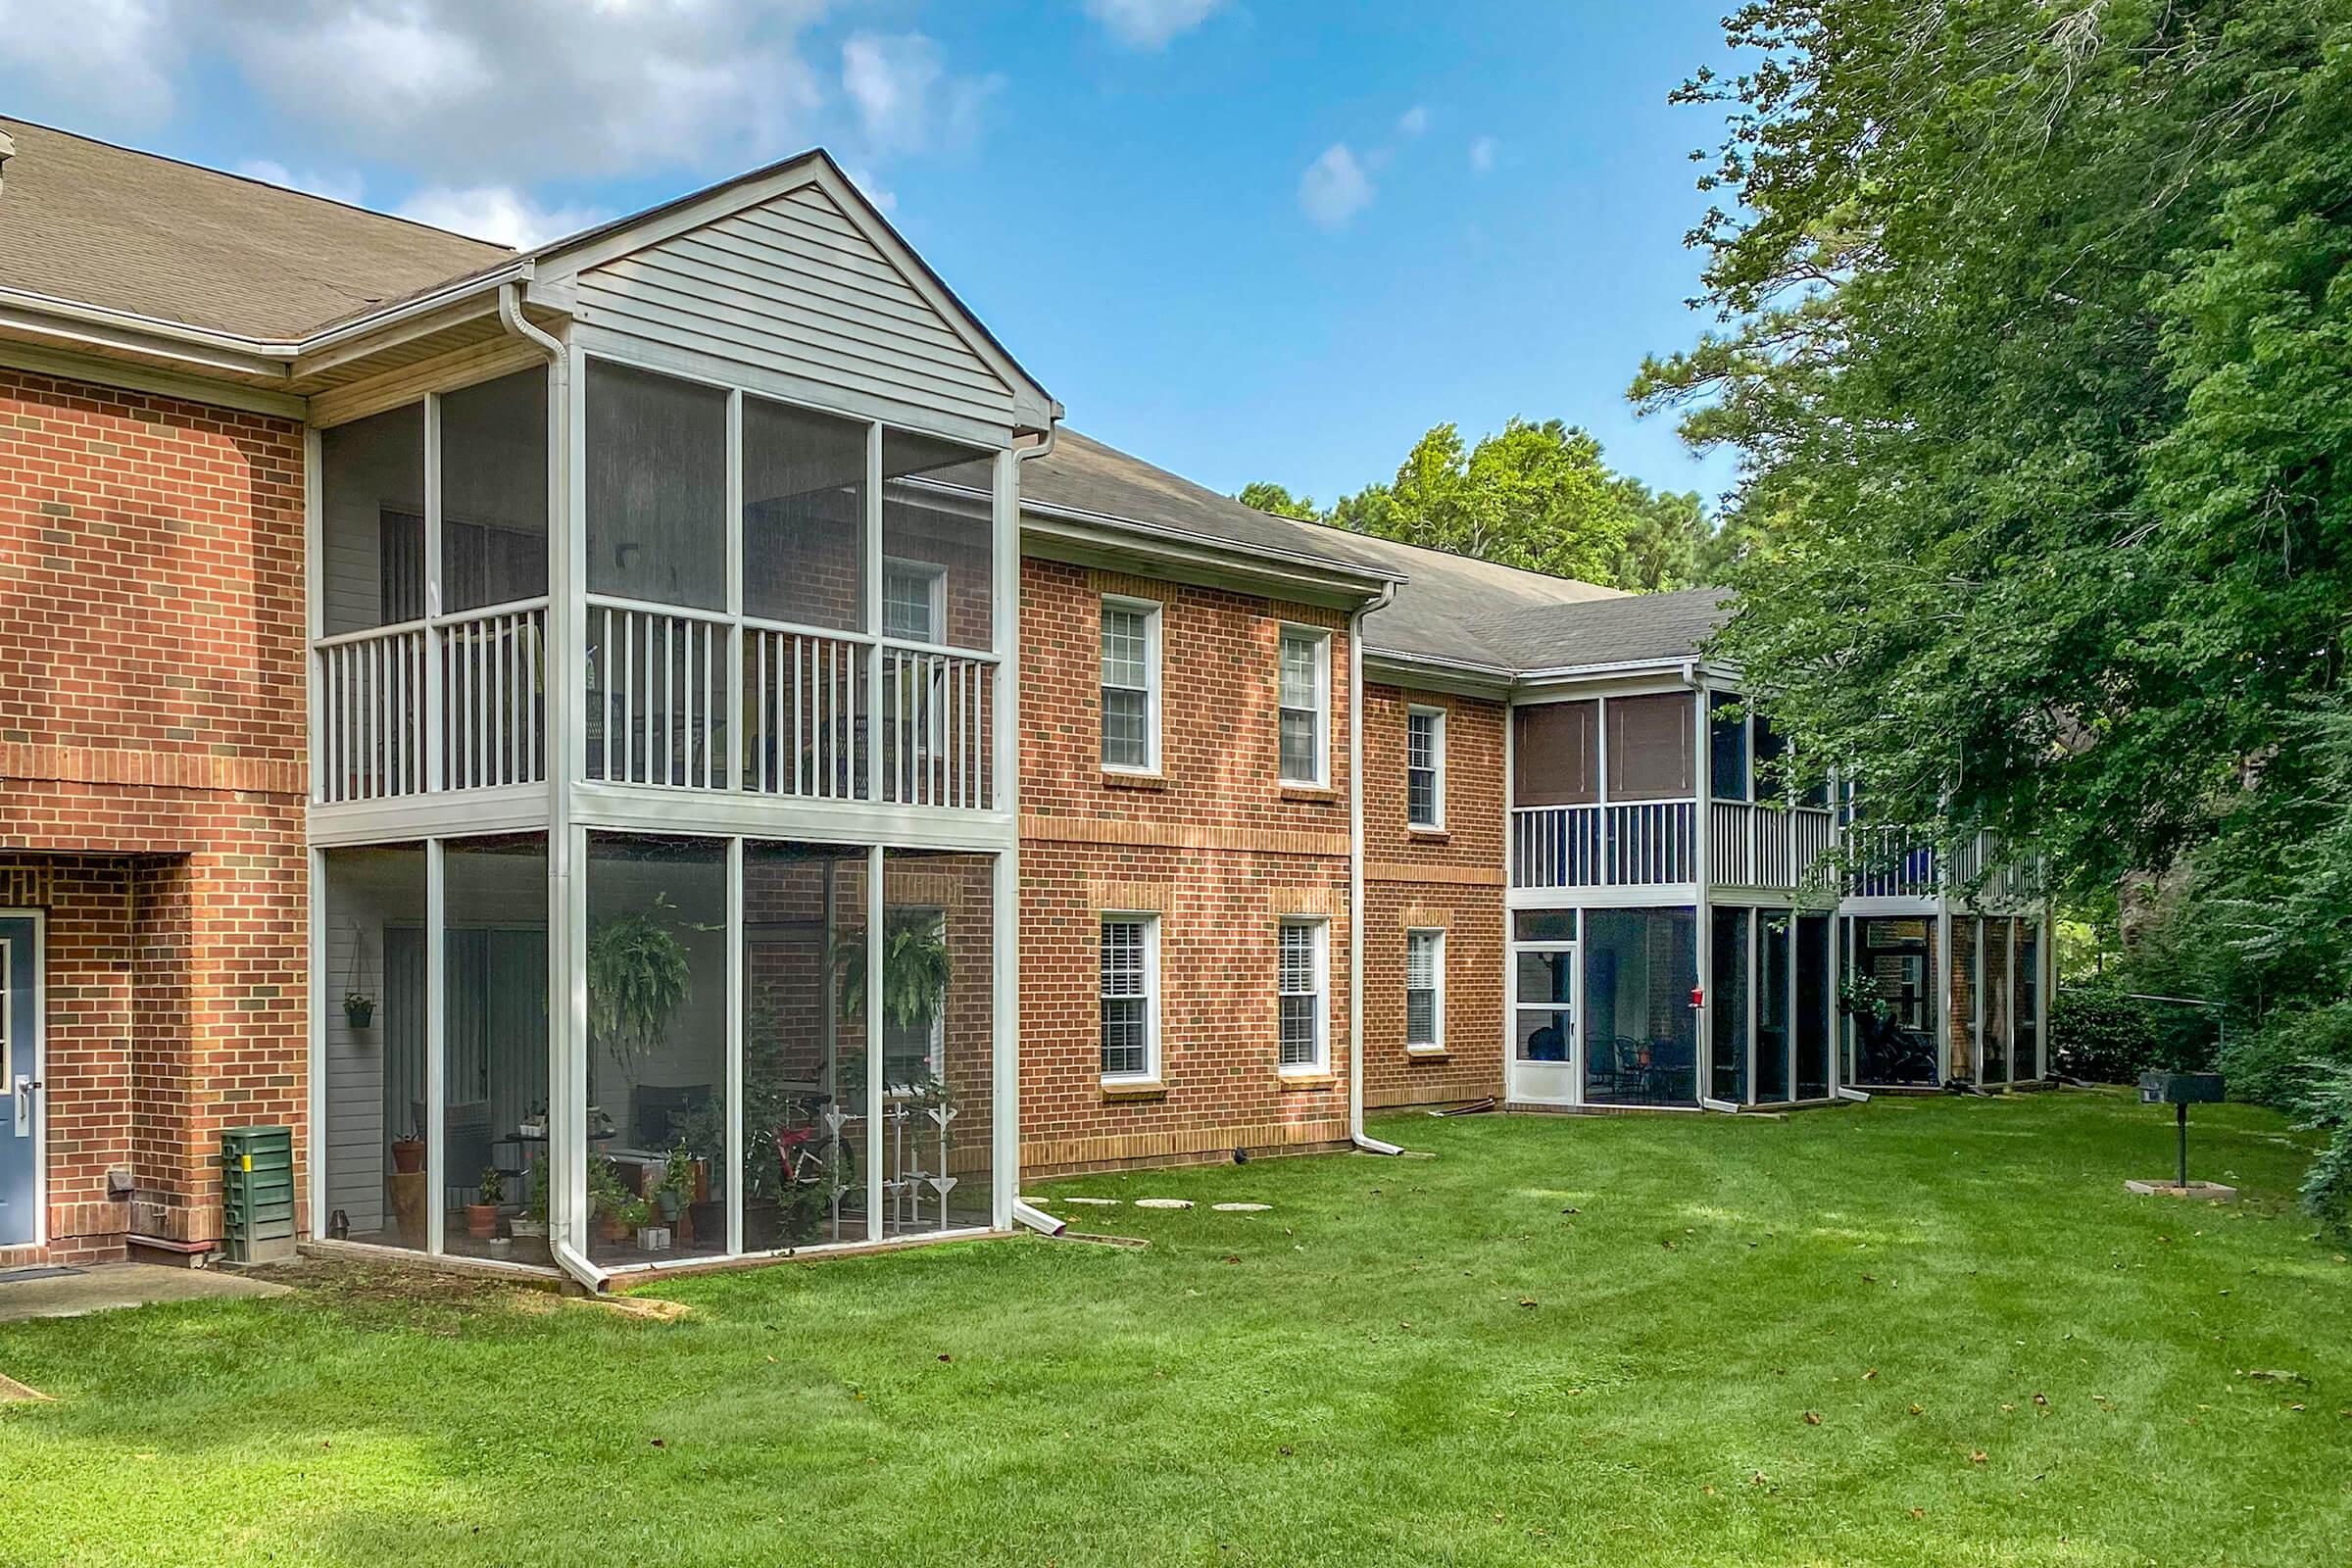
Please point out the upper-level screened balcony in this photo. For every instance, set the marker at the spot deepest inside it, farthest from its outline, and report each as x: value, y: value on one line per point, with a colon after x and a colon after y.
x: 1606, y: 794
x: 771, y: 601
x: 430, y: 596
x: 1601, y: 793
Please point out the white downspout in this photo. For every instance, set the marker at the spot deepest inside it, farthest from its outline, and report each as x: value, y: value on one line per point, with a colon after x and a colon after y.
x: 569, y: 1257
x: 1023, y: 1213
x: 1355, y: 877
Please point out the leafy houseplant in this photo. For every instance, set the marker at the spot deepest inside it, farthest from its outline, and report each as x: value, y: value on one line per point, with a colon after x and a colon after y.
x: 617, y: 1210
x: 639, y: 976
x: 481, y: 1216
x: 916, y: 970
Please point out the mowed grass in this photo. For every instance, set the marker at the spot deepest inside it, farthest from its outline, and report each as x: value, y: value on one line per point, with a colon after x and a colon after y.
x: 1931, y: 1332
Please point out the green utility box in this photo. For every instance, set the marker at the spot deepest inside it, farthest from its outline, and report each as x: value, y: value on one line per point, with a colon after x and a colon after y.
x: 257, y: 1192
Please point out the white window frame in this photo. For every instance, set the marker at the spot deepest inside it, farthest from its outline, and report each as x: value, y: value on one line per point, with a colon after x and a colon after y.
x: 1435, y: 769
x: 1320, y: 638
x: 1436, y: 1043
x: 1149, y: 1072
x: 935, y: 582
x: 1319, y: 939
x: 1150, y: 609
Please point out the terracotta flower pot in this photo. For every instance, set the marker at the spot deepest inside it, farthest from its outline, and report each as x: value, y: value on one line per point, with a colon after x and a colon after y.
x: 408, y: 1156
x: 481, y: 1220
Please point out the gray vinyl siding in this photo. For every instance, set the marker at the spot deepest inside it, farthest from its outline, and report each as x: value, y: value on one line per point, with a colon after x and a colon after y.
x: 793, y: 288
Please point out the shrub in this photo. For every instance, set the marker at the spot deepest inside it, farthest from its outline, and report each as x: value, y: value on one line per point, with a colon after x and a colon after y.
x: 2101, y: 1037
x: 2327, y: 1106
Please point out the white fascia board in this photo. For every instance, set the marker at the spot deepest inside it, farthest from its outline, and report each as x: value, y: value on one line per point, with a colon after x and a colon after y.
x: 1429, y: 672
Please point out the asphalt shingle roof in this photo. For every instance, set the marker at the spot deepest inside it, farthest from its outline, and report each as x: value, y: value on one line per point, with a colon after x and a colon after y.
x: 1448, y: 607
x: 99, y: 225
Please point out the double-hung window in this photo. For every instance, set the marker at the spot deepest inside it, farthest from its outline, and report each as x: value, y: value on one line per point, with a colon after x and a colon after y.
x: 1130, y: 990
x: 1425, y: 989
x: 1305, y: 700
x: 1129, y: 685
x: 1301, y: 984
x: 913, y: 598
x: 1424, y: 768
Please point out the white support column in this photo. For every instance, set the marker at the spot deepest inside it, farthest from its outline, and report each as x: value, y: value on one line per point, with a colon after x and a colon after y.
x: 1940, y: 955
x: 874, y: 871
x: 732, y: 680
x: 873, y: 621
x: 436, y: 1055
x: 314, y: 612
x: 434, y: 761
x: 731, y: 1173
x: 315, y: 927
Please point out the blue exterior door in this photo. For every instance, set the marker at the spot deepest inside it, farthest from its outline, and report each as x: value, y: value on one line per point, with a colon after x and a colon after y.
x: 19, y: 1055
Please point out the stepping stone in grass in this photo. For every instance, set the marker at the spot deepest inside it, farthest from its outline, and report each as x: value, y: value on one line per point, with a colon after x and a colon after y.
x: 1098, y: 1202
x: 1037, y: 1202
x: 1240, y: 1208
x: 1164, y: 1203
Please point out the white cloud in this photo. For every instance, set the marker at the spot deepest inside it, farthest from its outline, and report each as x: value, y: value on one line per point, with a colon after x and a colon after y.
x: 904, y: 98
x: 1482, y: 153
x: 1335, y: 187
x: 344, y: 187
x: 1150, y: 23
x: 1413, y: 122
x: 459, y: 91
x: 112, y: 59
x: 498, y: 213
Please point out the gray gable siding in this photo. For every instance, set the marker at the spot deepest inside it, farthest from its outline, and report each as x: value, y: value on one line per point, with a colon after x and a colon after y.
x: 795, y: 289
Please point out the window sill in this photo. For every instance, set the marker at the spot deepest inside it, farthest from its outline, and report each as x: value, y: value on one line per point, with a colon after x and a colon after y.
x: 1134, y: 1089
x: 1291, y: 1081
x: 1119, y: 778
x: 1320, y: 793
x: 1427, y: 1052
x: 1427, y: 835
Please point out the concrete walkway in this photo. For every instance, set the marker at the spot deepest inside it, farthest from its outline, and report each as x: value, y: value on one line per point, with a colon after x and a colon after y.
x: 107, y: 1286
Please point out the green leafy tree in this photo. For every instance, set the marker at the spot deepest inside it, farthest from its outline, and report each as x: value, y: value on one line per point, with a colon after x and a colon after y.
x: 1280, y: 502
x: 1530, y: 495
x: 2038, y: 357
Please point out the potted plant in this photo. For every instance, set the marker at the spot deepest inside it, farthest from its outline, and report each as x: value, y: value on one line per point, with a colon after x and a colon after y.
x: 639, y: 975
x: 358, y: 1009
x: 529, y: 1228
x: 408, y: 1153
x: 481, y: 1215
x: 618, y: 1212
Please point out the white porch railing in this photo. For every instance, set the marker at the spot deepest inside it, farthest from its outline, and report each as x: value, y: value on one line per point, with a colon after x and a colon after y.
x: 494, y: 698
x: 1890, y: 865
x: 369, y: 691
x: 657, y: 696
x: 1632, y: 843
x: 939, y: 729
x: 806, y: 711
x: 1765, y: 846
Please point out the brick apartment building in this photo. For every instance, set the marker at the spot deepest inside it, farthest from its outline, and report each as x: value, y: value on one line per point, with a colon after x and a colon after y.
x: 662, y: 747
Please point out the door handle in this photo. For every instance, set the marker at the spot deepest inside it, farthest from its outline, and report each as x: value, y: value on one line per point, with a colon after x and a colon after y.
x: 26, y: 1088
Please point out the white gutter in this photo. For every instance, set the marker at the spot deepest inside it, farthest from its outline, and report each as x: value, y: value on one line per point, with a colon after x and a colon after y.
x: 1355, y: 877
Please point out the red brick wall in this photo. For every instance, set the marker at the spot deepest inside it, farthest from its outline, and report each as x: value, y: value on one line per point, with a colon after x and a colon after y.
x: 1214, y: 845
x: 151, y: 784
x: 1450, y: 879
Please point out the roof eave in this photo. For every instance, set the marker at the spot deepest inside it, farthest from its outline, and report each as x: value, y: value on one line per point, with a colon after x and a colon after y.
x: 1131, y: 541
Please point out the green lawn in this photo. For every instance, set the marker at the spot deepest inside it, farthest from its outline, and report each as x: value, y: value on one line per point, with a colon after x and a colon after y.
x: 1559, y: 1341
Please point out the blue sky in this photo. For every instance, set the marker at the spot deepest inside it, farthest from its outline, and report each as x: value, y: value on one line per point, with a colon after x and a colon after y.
x: 1241, y: 238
